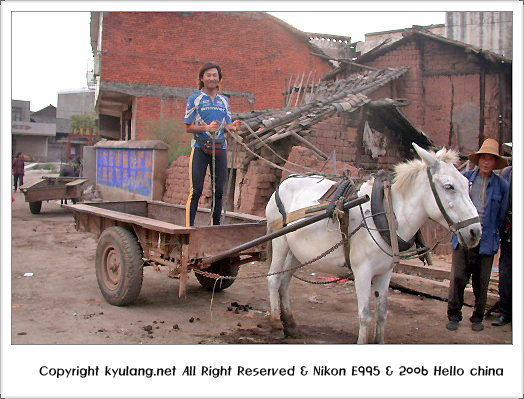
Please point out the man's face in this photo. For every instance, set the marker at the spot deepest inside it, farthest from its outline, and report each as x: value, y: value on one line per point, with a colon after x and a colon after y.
x: 211, y: 79
x: 487, y: 163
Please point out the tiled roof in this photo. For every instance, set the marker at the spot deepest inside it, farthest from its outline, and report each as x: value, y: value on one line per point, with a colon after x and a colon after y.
x: 326, y: 99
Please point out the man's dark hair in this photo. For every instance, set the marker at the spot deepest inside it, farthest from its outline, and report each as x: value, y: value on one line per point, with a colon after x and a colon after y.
x: 207, y: 66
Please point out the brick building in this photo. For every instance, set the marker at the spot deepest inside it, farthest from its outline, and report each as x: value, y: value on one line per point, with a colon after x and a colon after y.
x: 338, y: 127
x: 146, y: 64
x: 459, y: 94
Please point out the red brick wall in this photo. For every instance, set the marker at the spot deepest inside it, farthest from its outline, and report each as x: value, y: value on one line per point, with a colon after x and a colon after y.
x: 443, y: 85
x: 255, y: 52
x: 335, y: 134
x: 409, y: 85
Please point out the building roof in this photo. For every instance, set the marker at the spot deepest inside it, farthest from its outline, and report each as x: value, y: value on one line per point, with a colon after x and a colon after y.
x: 326, y: 99
x: 420, y: 32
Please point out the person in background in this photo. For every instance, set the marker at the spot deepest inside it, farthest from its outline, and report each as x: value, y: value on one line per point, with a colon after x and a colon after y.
x: 71, y: 169
x: 505, y: 269
x: 18, y: 170
x: 207, y: 116
x: 490, y: 194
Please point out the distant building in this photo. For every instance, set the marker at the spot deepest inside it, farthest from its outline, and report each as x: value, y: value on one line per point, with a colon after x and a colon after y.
x: 375, y: 39
x: 488, y: 30
x: 333, y: 45
x: 75, y: 102
x: 28, y: 137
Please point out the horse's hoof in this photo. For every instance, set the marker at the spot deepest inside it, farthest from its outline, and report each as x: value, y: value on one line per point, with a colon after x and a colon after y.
x: 277, y: 334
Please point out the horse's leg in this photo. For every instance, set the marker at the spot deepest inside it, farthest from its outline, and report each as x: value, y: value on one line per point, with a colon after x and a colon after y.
x: 290, y: 327
x: 380, y: 290
x: 362, y: 288
x: 280, y: 250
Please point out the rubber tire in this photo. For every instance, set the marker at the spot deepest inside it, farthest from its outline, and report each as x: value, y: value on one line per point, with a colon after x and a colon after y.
x: 223, y: 268
x: 35, y: 207
x: 121, y: 247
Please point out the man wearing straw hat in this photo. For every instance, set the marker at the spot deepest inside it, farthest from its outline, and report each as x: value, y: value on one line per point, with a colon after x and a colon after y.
x: 490, y: 194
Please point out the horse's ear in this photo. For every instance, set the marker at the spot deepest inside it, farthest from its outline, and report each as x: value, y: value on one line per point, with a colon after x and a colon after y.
x: 428, y: 158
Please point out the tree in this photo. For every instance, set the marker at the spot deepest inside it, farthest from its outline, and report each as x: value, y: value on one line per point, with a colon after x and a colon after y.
x: 84, y: 121
x: 172, y: 132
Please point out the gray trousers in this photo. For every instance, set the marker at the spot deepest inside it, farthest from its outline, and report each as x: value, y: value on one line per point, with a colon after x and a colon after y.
x: 466, y: 264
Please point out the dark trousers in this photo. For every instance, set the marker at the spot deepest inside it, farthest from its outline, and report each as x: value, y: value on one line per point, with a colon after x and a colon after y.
x: 465, y: 264
x: 19, y: 180
x: 505, y: 272
x: 198, y: 164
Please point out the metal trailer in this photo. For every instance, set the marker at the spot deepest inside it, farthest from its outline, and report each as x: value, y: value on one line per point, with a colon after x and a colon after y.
x: 52, y: 188
x: 134, y: 234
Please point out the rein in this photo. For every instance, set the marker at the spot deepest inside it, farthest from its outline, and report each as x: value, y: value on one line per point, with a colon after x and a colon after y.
x: 454, y: 227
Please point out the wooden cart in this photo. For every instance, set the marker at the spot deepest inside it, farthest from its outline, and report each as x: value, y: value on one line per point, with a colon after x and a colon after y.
x: 52, y: 188
x: 134, y: 234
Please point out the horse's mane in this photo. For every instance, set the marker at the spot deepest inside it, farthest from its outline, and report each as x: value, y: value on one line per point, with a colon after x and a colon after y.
x: 407, y: 172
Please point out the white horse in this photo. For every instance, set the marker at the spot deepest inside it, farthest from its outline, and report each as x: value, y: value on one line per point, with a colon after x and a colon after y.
x: 413, y: 203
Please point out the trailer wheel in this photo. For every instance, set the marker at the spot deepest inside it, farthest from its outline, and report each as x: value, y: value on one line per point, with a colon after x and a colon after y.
x: 119, y: 266
x: 35, y: 207
x: 223, y: 268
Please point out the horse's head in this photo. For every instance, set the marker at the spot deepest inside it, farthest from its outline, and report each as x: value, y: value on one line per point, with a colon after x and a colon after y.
x: 452, y: 206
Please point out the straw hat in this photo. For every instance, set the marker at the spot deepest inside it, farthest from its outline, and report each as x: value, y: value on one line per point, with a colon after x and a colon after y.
x: 489, y: 146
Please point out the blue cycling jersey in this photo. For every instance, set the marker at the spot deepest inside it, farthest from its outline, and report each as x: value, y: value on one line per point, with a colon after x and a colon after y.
x: 201, y: 109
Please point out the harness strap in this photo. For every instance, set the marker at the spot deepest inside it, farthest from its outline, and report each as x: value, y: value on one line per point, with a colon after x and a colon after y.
x: 454, y: 227
x: 379, y: 215
x: 344, y: 189
x: 391, y: 224
x: 280, y: 207
x: 343, y: 218
x: 298, y: 214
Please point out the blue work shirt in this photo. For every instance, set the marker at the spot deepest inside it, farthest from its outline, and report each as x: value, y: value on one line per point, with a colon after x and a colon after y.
x: 201, y: 109
x: 496, y: 206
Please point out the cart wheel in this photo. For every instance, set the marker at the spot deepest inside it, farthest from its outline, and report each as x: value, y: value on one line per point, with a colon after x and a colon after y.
x: 35, y: 207
x: 119, y: 266
x: 223, y: 268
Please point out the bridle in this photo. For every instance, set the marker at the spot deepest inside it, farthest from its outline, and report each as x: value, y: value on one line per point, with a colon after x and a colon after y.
x: 454, y: 227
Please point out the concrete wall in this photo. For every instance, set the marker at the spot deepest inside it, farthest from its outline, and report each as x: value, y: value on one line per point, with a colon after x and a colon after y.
x: 75, y: 102
x: 489, y: 30
x: 89, y: 165
x: 131, y: 170
x: 34, y: 146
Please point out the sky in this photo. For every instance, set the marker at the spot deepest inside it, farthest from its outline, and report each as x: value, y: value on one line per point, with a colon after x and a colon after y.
x: 59, y: 56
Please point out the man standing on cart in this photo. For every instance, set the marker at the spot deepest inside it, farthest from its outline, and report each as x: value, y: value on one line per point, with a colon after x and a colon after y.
x: 207, y: 116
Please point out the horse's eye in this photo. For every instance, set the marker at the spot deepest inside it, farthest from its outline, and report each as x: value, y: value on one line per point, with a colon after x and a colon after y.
x: 449, y: 187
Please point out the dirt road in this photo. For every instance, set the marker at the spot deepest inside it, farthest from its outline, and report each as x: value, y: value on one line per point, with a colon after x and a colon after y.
x: 60, y: 303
